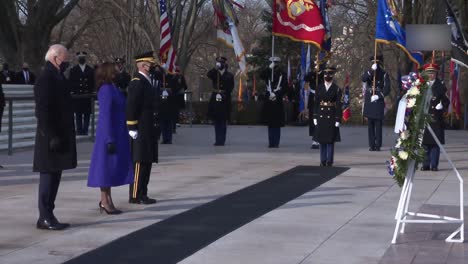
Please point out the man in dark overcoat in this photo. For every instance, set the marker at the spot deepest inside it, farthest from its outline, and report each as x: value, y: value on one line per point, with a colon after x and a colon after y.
x: 327, y: 116
x: 82, y: 81
x: 166, y: 104
x: 122, y: 79
x: 219, y: 107
x: 143, y: 125
x: 437, y: 108
x: 55, y: 145
x: 25, y: 76
x: 273, y: 108
x: 180, y: 86
x: 374, y: 103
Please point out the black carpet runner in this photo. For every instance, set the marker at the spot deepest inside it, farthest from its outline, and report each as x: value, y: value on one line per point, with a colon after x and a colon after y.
x: 174, y: 239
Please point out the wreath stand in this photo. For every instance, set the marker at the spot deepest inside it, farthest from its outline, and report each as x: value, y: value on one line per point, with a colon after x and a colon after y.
x: 403, y: 216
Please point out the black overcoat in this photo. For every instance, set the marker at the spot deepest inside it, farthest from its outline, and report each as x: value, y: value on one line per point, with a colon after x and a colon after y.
x: 167, y: 106
x: 143, y: 116
x: 437, y: 116
x: 82, y: 82
x: 54, y: 114
x: 223, y: 84
x: 311, y: 79
x: 273, y: 110
x: 327, y: 112
x: 180, y: 86
x: 375, y: 110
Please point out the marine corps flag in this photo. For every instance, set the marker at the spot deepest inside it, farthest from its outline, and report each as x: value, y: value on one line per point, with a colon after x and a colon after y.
x: 299, y: 20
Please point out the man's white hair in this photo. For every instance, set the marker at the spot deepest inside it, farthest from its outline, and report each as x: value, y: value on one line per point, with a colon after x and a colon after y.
x: 54, y: 51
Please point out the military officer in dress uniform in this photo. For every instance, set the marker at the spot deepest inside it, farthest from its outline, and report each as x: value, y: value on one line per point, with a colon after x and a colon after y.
x: 437, y: 107
x: 167, y: 104
x: 180, y: 86
x: 273, y: 109
x: 310, y: 86
x: 122, y: 79
x: 327, y: 116
x: 82, y: 82
x: 143, y: 126
x: 374, y: 103
x: 219, y: 107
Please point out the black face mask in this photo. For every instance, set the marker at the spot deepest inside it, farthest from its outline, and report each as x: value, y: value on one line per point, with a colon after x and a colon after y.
x: 328, y: 78
x: 64, y: 66
x: 25, y: 69
x: 82, y: 60
x: 152, y: 70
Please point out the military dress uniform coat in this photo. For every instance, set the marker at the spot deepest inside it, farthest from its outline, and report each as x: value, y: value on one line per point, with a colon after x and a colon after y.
x: 375, y: 110
x: 327, y: 111
x: 167, y: 107
x: 122, y: 79
x: 223, y: 84
x: 143, y: 116
x: 82, y: 83
x: 180, y: 86
x: 273, y: 110
x: 311, y: 78
x: 437, y: 116
x: 54, y: 116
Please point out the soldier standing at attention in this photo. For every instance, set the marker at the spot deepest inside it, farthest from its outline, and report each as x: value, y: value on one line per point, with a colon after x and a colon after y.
x: 438, y: 106
x: 143, y: 126
x: 82, y: 82
x: 122, y: 79
x: 219, y: 107
x: 327, y: 116
x: 374, y: 103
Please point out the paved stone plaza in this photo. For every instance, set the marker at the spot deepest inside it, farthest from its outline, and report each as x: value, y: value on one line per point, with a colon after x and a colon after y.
x: 349, y: 219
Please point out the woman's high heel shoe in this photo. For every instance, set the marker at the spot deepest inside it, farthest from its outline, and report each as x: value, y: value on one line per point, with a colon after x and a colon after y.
x: 109, y: 212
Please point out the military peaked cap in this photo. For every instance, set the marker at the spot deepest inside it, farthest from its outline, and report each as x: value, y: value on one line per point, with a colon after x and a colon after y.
x: 147, y: 56
x: 81, y: 54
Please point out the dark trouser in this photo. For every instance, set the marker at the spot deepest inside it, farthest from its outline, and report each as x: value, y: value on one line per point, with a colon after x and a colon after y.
x: 375, y: 132
x: 432, y: 156
x: 220, y: 131
x: 139, y: 187
x: 82, y: 123
x: 274, y: 135
x: 176, y: 119
x: 327, y: 152
x: 48, y: 186
x: 166, y: 131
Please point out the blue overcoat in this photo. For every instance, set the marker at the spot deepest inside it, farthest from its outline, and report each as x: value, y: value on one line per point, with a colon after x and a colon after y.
x: 115, y: 169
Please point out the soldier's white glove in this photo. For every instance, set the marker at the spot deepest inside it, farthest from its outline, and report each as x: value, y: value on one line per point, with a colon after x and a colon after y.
x: 374, y: 98
x: 219, y: 98
x: 374, y: 66
x: 315, y: 121
x: 272, y: 96
x: 439, y: 106
x: 165, y: 94
x: 8, y: 79
x: 133, y: 134
x: 337, y: 124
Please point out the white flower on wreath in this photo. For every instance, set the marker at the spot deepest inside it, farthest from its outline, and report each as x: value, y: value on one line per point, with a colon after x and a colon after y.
x: 414, y: 91
x: 417, y: 82
x: 403, y: 155
x: 404, y: 135
x: 411, y: 103
x: 398, y: 144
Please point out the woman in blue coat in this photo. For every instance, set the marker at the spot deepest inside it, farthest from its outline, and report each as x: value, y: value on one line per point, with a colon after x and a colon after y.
x: 111, y: 163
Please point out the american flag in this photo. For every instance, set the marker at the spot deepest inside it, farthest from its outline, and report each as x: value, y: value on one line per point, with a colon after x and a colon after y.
x: 166, y: 51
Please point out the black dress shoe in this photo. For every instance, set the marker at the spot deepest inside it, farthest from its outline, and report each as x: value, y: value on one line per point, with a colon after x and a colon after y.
x: 323, y: 164
x: 134, y: 201
x: 434, y: 169
x: 424, y: 168
x: 147, y: 200
x: 371, y: 149
x: 377, y: 149
x: 55, y: 221
x: 47, y: 224
x: 218, y: 144
x: 329, y: 164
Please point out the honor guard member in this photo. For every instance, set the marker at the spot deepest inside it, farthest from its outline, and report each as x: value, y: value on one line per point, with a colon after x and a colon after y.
x: 180, y: 86
x: 374, y: 103
x: 167, y: 104
x: 143, y: 126
x: 312, y: 79
x: 219, y: 107
x: 437, y: 107
x: 82, y: 83
x: 327, y: 116
x: 6, y: 76
x: 122, y: 79
x: 273, y: 109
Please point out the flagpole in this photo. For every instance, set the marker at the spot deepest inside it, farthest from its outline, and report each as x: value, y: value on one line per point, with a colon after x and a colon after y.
x: 375, y: 71
x: 272, y: 54
x: 317, y: 70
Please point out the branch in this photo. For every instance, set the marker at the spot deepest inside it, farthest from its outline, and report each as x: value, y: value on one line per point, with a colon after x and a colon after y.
x: 64, y: 12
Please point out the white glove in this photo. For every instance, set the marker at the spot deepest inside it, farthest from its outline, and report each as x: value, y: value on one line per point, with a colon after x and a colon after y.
x: 315, y: 121
x: 133, y: 134
x: 272, y: 96
x: 8, y: 79
x: 439, y: 106
x: 374, y: 98
x: 374, y: 66
x: 337, y: 124
x: 165, y: 93
x: 219, y: 98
